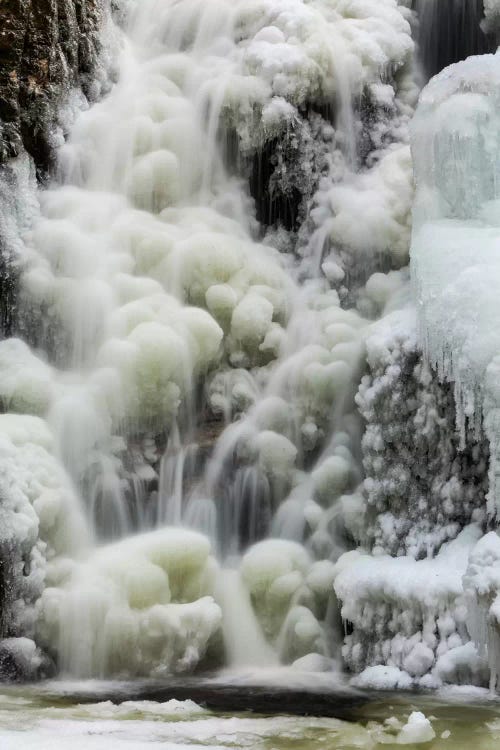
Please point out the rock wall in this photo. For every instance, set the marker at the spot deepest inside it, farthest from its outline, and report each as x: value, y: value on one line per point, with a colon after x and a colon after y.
x: 46, y: 46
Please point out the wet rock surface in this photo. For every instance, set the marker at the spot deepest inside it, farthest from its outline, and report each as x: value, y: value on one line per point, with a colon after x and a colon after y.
x: 46, y: 46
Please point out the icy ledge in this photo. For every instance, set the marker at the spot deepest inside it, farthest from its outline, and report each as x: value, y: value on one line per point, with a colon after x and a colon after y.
x: 455, y: 254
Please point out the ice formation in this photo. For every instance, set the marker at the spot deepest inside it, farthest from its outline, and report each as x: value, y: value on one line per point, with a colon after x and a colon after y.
x: 212, y: 381
x: 141, y: 606
x: 148, y: 293
x: 456, y: 269
x: 427, y: 612
x: 409, y: 614
x: 456, y: 209
x: 454, y: 145
x: 417, y: 729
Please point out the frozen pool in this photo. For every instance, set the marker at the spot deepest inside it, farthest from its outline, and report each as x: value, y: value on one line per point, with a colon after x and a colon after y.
x: 52, y: 716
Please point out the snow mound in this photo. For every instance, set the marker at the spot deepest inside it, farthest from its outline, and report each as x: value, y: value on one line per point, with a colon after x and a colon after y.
x: 383, y: 678
x: 405, y: 613
x: 418, y: 729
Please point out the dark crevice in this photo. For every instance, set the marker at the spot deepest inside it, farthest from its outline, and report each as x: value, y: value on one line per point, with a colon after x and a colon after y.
x: 273, y: 206
x: 450, y: 31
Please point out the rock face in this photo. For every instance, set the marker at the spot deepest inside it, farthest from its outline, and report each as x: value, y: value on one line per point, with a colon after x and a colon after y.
x: 46, y: 46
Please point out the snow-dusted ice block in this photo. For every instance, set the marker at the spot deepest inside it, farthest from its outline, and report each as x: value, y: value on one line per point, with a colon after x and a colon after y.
x: 455, y: 253
x: 409, y: 615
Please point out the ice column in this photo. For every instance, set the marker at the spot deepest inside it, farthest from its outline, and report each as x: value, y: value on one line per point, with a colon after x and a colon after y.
x: 455, y: 254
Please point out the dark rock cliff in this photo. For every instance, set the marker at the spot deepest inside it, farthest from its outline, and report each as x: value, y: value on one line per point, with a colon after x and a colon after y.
x: 46, y: 46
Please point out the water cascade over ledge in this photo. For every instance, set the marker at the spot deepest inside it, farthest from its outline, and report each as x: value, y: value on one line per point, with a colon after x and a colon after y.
x: 220, y: 442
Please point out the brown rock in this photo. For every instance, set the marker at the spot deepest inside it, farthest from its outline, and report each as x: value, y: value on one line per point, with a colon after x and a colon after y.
x: 46, y: 46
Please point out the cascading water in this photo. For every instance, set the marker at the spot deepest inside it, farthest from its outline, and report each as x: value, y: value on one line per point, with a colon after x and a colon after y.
x: 449, y: 31
x: 187, y: 446
x: 157, y: 321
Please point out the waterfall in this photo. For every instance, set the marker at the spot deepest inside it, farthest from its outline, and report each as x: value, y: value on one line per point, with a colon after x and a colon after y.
x: 449, y: 31
x: 220, y: 436
x: 245, y: 642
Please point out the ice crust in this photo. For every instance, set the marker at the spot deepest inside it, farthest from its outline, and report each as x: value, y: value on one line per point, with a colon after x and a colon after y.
x: 419, y: 486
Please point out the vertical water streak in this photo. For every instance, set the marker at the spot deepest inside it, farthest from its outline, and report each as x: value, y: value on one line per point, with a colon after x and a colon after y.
x: 245, y: 643
x: 449, y: 31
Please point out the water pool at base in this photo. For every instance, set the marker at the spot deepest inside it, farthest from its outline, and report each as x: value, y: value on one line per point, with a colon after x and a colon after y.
x: 54, y: 716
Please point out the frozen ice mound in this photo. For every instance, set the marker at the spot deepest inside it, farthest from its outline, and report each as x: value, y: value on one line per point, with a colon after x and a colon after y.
x: 290, y: 594
x: 138, y: 607
x: 40, y: 520
x: 418, y: 729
